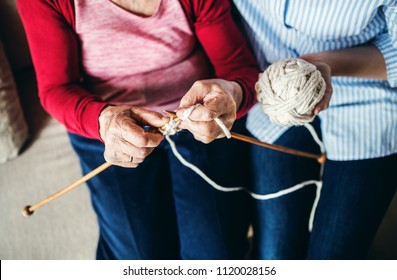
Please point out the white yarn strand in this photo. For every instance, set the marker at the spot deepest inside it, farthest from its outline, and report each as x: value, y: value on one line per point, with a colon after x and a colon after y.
x: 173, y: 128
x: 224, y: 128
x: 186, y: 114
x: 198, y: 170
x: 313, y: 132
x: 256, y: 196
x: 319, y: 183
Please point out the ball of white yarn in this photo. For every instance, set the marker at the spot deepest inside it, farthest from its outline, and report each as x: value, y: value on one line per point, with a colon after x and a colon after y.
x: 289, y: 90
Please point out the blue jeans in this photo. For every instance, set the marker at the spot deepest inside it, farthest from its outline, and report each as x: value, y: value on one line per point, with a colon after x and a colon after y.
x: 354, y: 199
x: 162, y: 210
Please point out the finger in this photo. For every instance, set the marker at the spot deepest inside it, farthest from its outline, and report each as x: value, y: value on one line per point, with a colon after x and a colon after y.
x: 131, y: 159
x: 127, y: 154
x: 322, y: 105
x: 203, y: 138
x: 124, y: 127
x: 125, y: 164
x: 195, y: 94
x: 324, y: 102
x: 200, y: 92
x: 215, y: 105
x: 116, y: 158
x: 137, y: 136
x: 214, y: 95
x: 203, y: 114
x: 150, y: 118
x: 202, y: 129
x: 138, y: 154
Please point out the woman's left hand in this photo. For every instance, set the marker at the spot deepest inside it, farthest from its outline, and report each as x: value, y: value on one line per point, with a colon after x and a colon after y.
x: 219, y: 99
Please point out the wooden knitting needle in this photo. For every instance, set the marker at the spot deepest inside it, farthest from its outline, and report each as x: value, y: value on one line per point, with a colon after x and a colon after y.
x: 319, y: 158
x: 28, y: 210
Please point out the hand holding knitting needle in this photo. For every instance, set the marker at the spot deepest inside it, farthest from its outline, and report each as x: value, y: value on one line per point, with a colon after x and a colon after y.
x: 219, y: 99
x: 127, y: 144
x: 126, y: 117
x: 29, y: 209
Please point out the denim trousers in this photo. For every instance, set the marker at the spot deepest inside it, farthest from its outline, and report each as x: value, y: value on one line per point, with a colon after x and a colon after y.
x: 162, y: 209
x: 354, y: 198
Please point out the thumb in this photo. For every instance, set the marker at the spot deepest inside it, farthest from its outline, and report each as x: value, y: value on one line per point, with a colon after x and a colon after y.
x: 195, y: 94
x: 146, y: 117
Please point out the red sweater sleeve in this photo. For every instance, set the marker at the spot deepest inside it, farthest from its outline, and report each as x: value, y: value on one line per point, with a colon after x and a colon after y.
x: 55, y: 54
x: 225, y: 46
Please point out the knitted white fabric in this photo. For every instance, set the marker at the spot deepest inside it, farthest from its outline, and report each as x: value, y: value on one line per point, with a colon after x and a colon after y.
x: 172, y: 127
x: 289, y: 90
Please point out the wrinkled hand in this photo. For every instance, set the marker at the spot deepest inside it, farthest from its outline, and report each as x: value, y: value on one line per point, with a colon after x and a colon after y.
x: 219, y: 99
x: 121, y: 129
x: 325, y: 71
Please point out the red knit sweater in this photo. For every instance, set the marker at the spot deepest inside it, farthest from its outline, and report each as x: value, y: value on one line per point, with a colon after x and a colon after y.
x: 50, y: 25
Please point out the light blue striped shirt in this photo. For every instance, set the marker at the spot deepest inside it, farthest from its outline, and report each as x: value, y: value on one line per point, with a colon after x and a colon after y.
x: 361, y: 121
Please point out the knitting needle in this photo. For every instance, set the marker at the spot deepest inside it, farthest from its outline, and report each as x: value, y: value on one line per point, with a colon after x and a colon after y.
x: 319, y: 158
x: 28, y: 210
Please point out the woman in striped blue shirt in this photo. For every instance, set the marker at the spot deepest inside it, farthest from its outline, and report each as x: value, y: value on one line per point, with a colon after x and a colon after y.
x: 355, y: 42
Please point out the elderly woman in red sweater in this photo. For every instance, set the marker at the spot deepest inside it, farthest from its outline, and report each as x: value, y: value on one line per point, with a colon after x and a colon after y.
x: 106, y: 69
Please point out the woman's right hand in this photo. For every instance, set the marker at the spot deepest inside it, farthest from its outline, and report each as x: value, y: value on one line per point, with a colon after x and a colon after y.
x: 127, y: 144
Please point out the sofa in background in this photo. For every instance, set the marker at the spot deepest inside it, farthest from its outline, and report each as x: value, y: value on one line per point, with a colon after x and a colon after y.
x: 66, y: 228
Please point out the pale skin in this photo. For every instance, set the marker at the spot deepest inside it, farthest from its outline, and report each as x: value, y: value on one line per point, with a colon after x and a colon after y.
x: 144, y: 8
x: 121, y: 127
x: 361, y: 62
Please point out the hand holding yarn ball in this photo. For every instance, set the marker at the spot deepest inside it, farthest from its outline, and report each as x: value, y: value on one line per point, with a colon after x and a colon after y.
x: 289, y: 91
